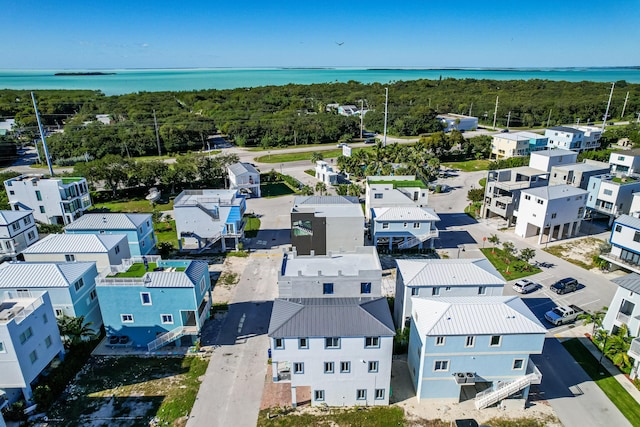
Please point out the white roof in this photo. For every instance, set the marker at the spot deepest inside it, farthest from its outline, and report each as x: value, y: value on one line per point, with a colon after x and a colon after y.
x: 483, y: 315
x: 556, y: 152
x: 109, y: 221
x: 347, y: 263
x: 409, y: 213
x: 552, y: 192
x: 449, y: 272
x: 517, y: 136
x: 76, y: 243
x: 28, y: 275
x: 240, y: 168
x: 8, y: 217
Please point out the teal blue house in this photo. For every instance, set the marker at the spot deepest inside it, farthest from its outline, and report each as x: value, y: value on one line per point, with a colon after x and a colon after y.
x: 463, y: 348
x: 149, y: 302
x: 137, y: 227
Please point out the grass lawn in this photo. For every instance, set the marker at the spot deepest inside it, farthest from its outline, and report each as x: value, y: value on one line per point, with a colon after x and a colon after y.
x: 166, y: 232
x: 135, y: 205
x: 609, y: 385
x: 252, y: 226
x: 469, y: 165
x: 369, y: 417
x: 498, y: 260
x: 130, y: 391
x: 311, y: 172
x: 296, y: 157
x: 275, y: 189
x: 288, y: 147
x: 473, y: 209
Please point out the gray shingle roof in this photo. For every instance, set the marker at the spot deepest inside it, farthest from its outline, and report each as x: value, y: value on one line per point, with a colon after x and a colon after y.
x: 76, y: 243
x: 331, y: 317
x: 449, y: 272
x: 484, y: 315
x: 630, y: 282
x: 29, y: 275
x: 109, y: 221
x: 8, y: 217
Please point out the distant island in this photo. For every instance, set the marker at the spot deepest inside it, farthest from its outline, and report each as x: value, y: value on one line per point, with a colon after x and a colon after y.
x: 83, y: 73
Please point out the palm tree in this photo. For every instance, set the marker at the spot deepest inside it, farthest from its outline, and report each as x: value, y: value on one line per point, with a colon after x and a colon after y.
x: 495, y: 241
x: 74, y: 330
x: 595, y: 318
x: 315, y: 156
x: 321, y: 187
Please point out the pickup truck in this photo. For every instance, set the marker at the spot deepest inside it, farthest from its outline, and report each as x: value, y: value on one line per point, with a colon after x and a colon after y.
x: 563, y: 314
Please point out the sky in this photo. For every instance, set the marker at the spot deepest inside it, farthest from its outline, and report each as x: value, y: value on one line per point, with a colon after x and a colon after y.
x: 70, y: 34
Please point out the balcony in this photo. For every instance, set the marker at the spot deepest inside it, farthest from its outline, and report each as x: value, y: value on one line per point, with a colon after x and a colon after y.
x: 634, y: 350
x: 635, y: 268
x: 623, y: 317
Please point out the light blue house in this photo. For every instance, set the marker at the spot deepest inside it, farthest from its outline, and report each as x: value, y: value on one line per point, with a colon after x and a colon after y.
x: 71, y: 286
x: 205, y: 217
x: 153, y: 302
x: 462, y: 348
x: 404, y: 227
x: 137, y: 227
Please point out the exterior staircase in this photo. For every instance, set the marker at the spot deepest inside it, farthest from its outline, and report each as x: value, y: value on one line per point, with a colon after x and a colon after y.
x: 504, y: 390
x: 171, y: 336
x: 409, y: 243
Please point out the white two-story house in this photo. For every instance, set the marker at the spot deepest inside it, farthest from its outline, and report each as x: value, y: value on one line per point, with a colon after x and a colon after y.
x: 244, y: 178
x: 394, y: 191
x: 17, y: 231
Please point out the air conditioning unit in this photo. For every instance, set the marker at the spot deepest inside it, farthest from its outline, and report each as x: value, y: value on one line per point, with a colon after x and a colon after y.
x: 7, y: 315
x: 470, y: 377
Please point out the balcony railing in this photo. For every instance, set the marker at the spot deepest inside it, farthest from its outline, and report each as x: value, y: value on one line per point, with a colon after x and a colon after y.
x: 623, y: 318
x: 634, y: 350
x: 621, y: 262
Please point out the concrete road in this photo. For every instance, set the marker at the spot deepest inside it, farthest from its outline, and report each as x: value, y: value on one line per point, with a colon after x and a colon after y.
x: 576, y: 399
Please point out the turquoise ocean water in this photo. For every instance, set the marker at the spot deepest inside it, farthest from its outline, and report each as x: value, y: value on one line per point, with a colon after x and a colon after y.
x: 153, y: 80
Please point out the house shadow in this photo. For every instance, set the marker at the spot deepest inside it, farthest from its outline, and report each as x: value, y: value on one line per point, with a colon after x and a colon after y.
x: 454, y: 220
x: 539, y: 306
x: 452, y: 239
x: 243, y: 320
x: 269, y: 238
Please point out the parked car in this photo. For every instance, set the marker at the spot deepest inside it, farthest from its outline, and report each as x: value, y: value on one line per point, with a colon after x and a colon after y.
x: 524, y: 286
x: 563, y: 314
x: 370, y: 141
x: 565, y: 285
x: 341, y: 144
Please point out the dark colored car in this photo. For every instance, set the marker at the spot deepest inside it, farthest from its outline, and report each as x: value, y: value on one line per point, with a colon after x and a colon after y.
x: 564, y: 286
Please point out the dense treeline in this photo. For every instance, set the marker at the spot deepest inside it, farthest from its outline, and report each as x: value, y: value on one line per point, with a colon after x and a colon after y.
x: 297, y: 114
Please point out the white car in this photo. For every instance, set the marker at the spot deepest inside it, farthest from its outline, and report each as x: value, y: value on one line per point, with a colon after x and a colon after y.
x: 524, y: 286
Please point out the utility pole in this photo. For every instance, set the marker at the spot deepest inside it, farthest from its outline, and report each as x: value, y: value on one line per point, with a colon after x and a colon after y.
x: 638, y: 121
x: 549, y: 118
x: 624, y: 107
x: 470, y: 107
x: 155, y: 122
x: 295, y: 137
x: 508, y: 119
x: 495, y: 114
x: 361, y: 116
x: 386, y: 114
x: 42, y: 137
x: 606, y: 113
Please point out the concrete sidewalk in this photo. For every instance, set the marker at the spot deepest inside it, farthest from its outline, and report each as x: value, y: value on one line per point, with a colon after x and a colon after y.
x: 579, y: 332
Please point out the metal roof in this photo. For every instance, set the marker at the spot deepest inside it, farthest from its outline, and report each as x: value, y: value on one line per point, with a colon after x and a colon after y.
x: 240, y: 168
x: 584, y: 166
x: 76, y: 243
x: 8, y: 217
x: 109, y: 221
x: 554, y: 152
x: 189, y: 278
x: 409, y: 213
x: 448, y: 272
x: 331, y: 317
x: 520, y: 136
x: 28, y: 275
x: 552, y: 192
x: 347, y: 263
x: 629, y: 221
x: 566, y: 129
x: 482, y: 315
x: 630, y: 282
x: 325, y: 200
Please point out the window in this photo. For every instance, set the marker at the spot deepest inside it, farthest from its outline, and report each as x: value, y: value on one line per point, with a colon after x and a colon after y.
x: 361, y: 394
x: 435, y: 291
x: 415, y: 225
x: 327, y: 288
x: 608, y: 192
x: 45, y: 319
x: 15, y: 226
x: 202, y: 285
x: 117, y: 249
x: 2, y: 349
x: 47, y: 341
x: 328, y: 367
x: 42, y: 209
x: 31, y: 235
x: 379, y: 393
x: 441, y: 365
x: 405, y: 224
x: 70, y: 258
x: 415, y: 291
x: 440, y: 341
x: 166, y: 318
x: 13, y: 193
x: 318, y: 395
x: 365, y: 287
x: 373, y: 366
x: 377, y: 196
x: 470, y: 342
x: 636, y: 236
x: 518, y: 364
x: 540, y: 201
x: 298, y: 368
x: 59, y: 312
x: 385, y: 225
x: 38, y: 195
x: 33, y: 356
x: 79, y: 284
x: 527, y: 197
x: 278, y: 343
x: 303, y: 343
x: 372, y: 342
x: 495, y: 341
x: 145, y: 297
x: 27, y: 220
x: 553, y: 215
x: 126, y: 318
x: 332, y: 342
x: 28, y: 333
x: 93, y: 295
x: 345, y: 367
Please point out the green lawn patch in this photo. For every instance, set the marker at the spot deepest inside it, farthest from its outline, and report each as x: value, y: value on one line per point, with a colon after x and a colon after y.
x: 473, y: 210
x: 134, y: 389
x: 297, y: 156
x: 166, y: 232
x: 380, y: 416
x: 134, y: 206
x: 609, y: 385
x: 70, y: 179
x: 136, y: 270
x: 469, y: 165
x: 275, y: 189
x: 252, y: 226
x: 311, y: 172
x: 402, y: 184
x: 504, y: 262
